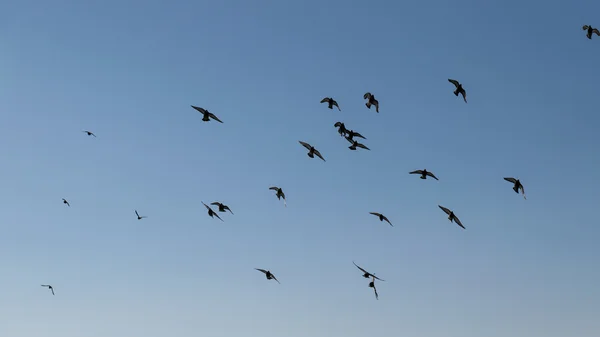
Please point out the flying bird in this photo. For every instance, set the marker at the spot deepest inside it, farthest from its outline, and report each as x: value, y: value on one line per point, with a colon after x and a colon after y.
x: 268, y: 275
x: 352, y: 134
x: 222, y: 207
x: 371, y: 101
x: 459, y: 89
x: 372, y: 285
x: 66, y: 202
x: 356, y: 144
x: 341, y: 128
x: 138, y: 216
x: 49, y: 287
x: 331, y: 103
x: 211, y: 213
x: 517, y: 186
x: 89, y: 133
x: 591, y: 30
x: 311, y: 150
x: 381, y: 217
x: 366, y: 273
x: 451, y: 216
x: 424, y: 174
x: 207, y: 114
x: 279, y: 194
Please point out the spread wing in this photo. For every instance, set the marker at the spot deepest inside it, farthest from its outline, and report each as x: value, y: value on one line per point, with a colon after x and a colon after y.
x: 319, y: 154
x: 595, y: 30
x: 227, y: 208
x: 216, y: 203
x: 457, y: 220
x: 199, y: 109
x: 447, y: 211
x: 275, y: 278
x: 586, y: 27
x: 350, y: 140
x: 364, y: 271
x: 274, y: 188
x: 136, y: 213
x: 337, y: 124
x: 376, y: 294
x: 356, y: 134
x: 432, y: 175
x: 464, y: 95
x: 455, y: 82
x: 512, y: 180
x: 367, y: 95
x: 217, y: 215
x: 375, y: 213
x: 325, y: 100
x: 306, y: 145
x: 362, y: 146
x: 416, y: 172
x: 211, y: 115
x: 262, y: 270
x: 283, y: 195
x: 388, y: 221
x: 52, y: 289
x: 205, y: 205
x: 337, y: 105
x: 523, y: 191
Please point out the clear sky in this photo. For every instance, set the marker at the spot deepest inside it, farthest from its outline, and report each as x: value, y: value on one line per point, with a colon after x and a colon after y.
x: 129, y: 71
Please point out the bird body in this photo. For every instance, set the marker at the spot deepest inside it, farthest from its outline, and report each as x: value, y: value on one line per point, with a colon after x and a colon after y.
x: 341, y: 128
x: 517, y: 185
x: 311, y: 150
x: 451, y: 216
x: 268, y: 274
x: 139, y: 217
x: 459, y: 89
x: 372, y: 285
x: 330, y: 103
x: 371, y: 101
x: 207, y: 115
x: 424, y: 173
x: 590, y: 31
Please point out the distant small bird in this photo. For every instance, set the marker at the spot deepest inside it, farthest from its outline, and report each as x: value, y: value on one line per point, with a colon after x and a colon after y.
x: 371, y: 101
x: 138, y: 216
x: 211, y: 213
x: 366, y: 273
x: 381, y: 217
x: 279, y: 194
x: 372, y: 285
x: 591, y: 30
x: 49, y: 287
x: 352, y: 134
x: 311, y: 150
x: 451, y: 216
x: 341, y: 128
x: 459, y: 89
x: 330, y: 103
x: 424, y: 174
x: 207, y: 114
x: 89, y: 133
x: 268, y: 274
x: 66, y: 202
x: 356, y: 144
x: 222, y: 207
x: 517, y: 186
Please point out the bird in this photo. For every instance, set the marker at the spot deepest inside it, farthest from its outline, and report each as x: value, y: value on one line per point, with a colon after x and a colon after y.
x: 352, y: 134
x: 517, y: 185
x: 222, y: 207
x: 341, y: 128
x: 331, y: 103
x: 381, y: 217
x: 591, y: 30
x: 451, y: 216
x: 211, y: 212
x: 279, y: 194
x: 459, y: 89
x: 311, y: 150
x: 356, y: 144
x: 366, y: 273
x: 66, y: 202
x: 268, y: 274
x: 424, y: 174
x: 89, y: 133
x: 207, y: 114
x: 372, y: 285
x: 371, y: 101
x: 49, y: 287
x: 138, y: 216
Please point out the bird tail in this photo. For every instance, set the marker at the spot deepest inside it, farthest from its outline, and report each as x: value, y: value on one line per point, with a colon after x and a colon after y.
x: 284, y: 203
x: 456, y: 92
x: 311, y: 155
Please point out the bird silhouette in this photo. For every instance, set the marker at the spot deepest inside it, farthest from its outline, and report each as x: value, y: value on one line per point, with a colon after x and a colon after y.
x: 66, y: 202
x: 351, y: 134
x: 268, y: 274
x: 366, y: 273
x: 311, y: 150
x: 371, y: 101
x: 138, y: 216
x: 591, y: 30
x: 222, y: 207
x: 211, y: 213
x: 459, y: 89
x: 330, y: 103
x: 372, y: 285
x: 451, y: 216
x: 49, y: 287
x: 517, y: 186
x: 341, y: 128
x: 356, y: 144
x: 381, y: 217
x: 89, y: 133
x: 207, y: 114
x: 279, y: 193
x: 424, y: 174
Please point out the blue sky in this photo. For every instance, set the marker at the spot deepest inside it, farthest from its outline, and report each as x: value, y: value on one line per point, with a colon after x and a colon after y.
x: 129, y: 71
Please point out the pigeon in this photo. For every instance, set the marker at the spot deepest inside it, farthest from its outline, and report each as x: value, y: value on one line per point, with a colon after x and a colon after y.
x: 341, y: 128
x: 311, y: 150
x: 207, y: 114
x: 517, y: 186
x: 66, y: 202
x: 331, y: 103
x: 138, y: 216
x: 366, y: 273
x: 381, y: 217
x: 591, y: 30
x: 268, y: 275
x: 372, y: 285
x: 49, y: 287
x: 89, y: 133
x: 211, y: 213
x: 451, y: 216
x: 356, y: 144
x: 371, y: 101
x: 459, y: 89
x: 279, y: 194
x: 222, y: 207
x: 424, y: 174
x: 352, y: 134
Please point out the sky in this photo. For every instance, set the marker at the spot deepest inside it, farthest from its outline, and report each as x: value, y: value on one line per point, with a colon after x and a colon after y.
x: 129, y: 71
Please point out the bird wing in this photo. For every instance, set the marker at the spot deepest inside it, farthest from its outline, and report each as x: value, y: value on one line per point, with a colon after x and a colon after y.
x: 512, y: 180
x: 364, y: 271
x: 205, y: 205
x: 283, y: 195
x: 367, y: 95
x: 376, y: 277
x: 337, y: 124
x: 211, y: 115
x: 464, y: 95
x: 356, y: 134
x: 217, y: 215
x: 432, y: 175
x: 595, y: 30
x: 457, y: 220
x: 264, y: 271
x: 306, y: 145
x: 388, y: 221
x: 216, y: 203
x: 447, y: 211
x: 202, y: 110
x: 91, y: 133
x: 45, y: 285
x: 363, y: 146
x: 136, y: 213
x: 275, y: 278
x: 376, y: 294
x: 455, y: 82
x: 227, y: 208
x: 349, y: 139
x: 319, y: 154
x: 52, y: 289
x: 586, y: 27
x: 274, y: 188
x: 416, y: 172
x: 375, y: 213
x: 324, y: 100
x: 337, y: 105
x: 523, y: 191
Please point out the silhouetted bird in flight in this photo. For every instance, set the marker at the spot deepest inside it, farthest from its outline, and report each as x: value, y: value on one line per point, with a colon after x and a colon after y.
x: 591, y: 30
x: 66, y: 202
x: 424, y: 174
x: 351, y: 134
x: 207, y: 114
x: 279, y: 194
x: 341, y: 128
x: 268, y: 274
x: 222, y: 207
x: 372, y: 285
x: 355, y: 144
x: 89, y: 133
x: 330, y: 103
x: 517, y: 185
x: 311, y: 150
x: 381, y: 217
x: 211, y: 212
x: 366, y: 273
x: 371, y: 101
x: 451, y: 216
x: 459, y: 89
x: 49, y: 287
x: 138, y: 216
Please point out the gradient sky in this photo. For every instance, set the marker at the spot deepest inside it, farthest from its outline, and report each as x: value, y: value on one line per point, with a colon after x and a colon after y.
x: 129, y: 71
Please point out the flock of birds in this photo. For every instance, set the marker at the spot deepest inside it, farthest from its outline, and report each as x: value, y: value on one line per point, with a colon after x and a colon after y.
x: 350, y: 136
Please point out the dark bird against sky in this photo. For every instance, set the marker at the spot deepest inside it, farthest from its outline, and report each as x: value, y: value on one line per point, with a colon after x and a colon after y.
x: 268, y: 274
x: 451, y: 216
x: 207, y: 115
x: 424, y: 173
x: 311, y: 150
x: 211, y: 213
x: 330, y: 103
x: 371, y: 101
x: 459, y: 89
